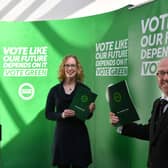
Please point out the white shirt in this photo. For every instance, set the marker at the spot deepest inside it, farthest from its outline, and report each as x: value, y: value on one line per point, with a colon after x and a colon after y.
x: 165, y: 98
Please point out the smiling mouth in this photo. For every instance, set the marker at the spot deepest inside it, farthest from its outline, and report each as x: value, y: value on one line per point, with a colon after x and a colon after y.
x: 70, y: 73
x: 165, y: 85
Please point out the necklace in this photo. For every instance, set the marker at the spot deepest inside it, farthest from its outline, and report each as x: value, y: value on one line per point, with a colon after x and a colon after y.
x: 69, y: 89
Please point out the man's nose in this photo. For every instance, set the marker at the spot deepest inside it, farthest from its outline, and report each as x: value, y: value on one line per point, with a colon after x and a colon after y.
x: 166, y: 75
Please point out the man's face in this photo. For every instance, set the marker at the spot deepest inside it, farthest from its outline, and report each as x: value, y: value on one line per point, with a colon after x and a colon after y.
x: 162, y: 75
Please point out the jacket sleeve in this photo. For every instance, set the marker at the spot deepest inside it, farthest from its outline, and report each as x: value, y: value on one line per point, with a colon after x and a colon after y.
x: 140, y: 131
x: 50, y: 109
x: 136, y: 130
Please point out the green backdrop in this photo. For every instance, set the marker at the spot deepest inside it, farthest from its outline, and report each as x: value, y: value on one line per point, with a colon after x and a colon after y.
x: 123, y: 44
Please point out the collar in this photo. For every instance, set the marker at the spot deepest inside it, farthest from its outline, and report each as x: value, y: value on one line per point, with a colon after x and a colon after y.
x: 164, y: 97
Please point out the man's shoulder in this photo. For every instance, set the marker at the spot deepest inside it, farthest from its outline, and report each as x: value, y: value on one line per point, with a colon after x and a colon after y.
x: 156, y: 101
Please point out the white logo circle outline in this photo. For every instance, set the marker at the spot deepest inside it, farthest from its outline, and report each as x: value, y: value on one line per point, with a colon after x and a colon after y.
x: 20, y: 91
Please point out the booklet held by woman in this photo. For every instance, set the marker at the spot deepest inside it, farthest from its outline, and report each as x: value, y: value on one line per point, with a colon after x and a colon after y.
x: 121, y: 103
x: 81, y: 101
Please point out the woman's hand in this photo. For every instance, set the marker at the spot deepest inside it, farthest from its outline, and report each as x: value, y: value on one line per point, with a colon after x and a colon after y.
x: 68, y: 113
x: 113, y: 118
x: 92, y: 107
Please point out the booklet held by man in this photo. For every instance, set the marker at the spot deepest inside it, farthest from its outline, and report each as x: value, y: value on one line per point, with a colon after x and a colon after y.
x: 121, y: 103
x: 81, y: 101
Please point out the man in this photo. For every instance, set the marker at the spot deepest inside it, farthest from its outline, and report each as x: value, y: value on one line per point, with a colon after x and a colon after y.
x: 156, y: 130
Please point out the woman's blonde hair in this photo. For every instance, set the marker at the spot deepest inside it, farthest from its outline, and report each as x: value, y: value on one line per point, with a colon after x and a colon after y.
x: 79, y: 75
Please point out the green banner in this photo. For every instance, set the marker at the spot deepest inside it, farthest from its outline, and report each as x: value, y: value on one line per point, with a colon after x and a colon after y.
x: 125, y: 44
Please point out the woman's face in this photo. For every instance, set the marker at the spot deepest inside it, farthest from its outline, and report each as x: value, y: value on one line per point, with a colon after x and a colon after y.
x: 70, y: 68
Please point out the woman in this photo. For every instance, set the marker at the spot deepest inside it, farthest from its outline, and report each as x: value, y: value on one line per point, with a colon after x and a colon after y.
x: 71, y: 141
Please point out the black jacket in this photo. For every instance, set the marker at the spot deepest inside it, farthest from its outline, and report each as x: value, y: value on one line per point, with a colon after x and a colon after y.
x: 156, y: 131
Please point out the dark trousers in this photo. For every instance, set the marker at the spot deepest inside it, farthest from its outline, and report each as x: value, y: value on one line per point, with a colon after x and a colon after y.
x: 70, y: 166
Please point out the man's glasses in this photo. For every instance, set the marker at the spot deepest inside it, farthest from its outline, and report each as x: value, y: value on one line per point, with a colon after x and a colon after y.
x: 70, y: 65
x: 162, y: 73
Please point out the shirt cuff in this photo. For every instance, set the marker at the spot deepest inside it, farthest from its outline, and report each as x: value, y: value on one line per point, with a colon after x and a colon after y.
x: 62, y: 115
x: 119, y: 129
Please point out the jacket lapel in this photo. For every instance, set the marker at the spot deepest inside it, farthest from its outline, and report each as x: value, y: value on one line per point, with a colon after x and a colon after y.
x: 162, y: 123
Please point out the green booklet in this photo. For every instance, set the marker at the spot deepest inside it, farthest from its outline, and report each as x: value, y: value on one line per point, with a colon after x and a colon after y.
x: 81, y: 101
x: 121, y: 103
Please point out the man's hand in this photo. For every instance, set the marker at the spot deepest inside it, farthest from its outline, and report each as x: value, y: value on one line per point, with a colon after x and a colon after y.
x: 113, y: 118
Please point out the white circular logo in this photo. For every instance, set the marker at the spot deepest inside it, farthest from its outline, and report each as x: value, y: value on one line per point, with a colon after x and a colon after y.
x: 26, y: 91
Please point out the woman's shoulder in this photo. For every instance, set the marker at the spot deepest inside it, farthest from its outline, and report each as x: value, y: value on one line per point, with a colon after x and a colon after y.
x: 55, y: 87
